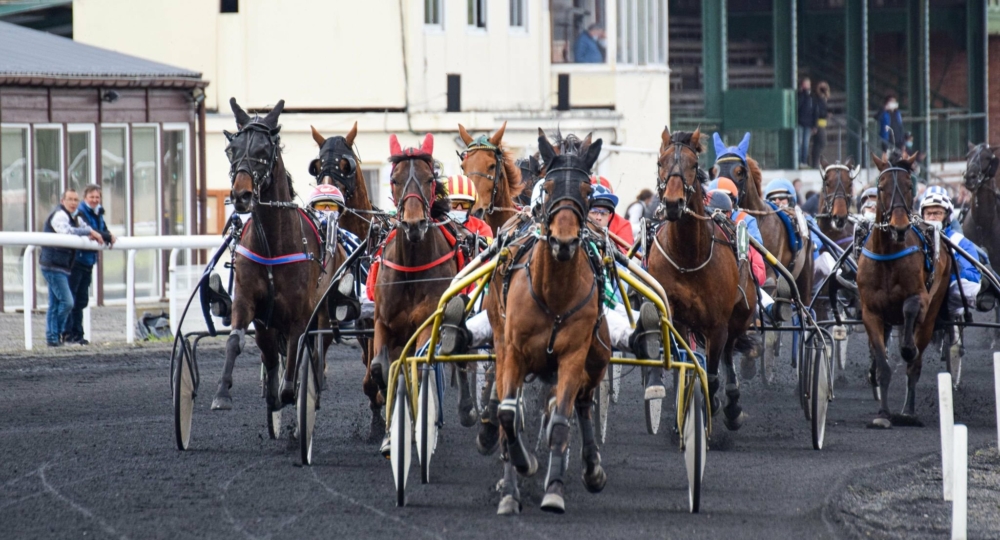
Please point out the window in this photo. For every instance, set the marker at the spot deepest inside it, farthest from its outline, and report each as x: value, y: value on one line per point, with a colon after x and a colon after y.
x: 477, y: 13
x: 229, y: 6
x: 517, y: 14
x: 114, y: 199
x: 81, y: 162
x: 145, y: 185
x: 47, y: 166
x: 372, y: 183
x: 14, y: 155
x: 432, y: 12
x: 578, y: 34
x: 642, y: 32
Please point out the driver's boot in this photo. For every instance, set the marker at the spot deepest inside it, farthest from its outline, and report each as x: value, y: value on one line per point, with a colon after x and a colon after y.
x: 455, y: 336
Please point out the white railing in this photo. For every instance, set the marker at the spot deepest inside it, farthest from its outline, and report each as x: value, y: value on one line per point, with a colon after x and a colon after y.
x: 128, y: 244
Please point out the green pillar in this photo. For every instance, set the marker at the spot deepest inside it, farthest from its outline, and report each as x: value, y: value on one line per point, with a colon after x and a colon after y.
x: 919, y: 74
x: 856, y: 40
x: 976, y: 40
x: 714, y: 60
x: 785, y: 47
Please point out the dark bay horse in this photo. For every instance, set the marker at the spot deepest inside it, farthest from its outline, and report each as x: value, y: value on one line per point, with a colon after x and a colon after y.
x: 418, y: 261
x: 338, y: 165
x: 549, y: 324
x: 981, y: 224
x: 900, y: 283
x: 279, y: 268
x: 497, y: 179
x: 835, y: 199
x: 692, y: 255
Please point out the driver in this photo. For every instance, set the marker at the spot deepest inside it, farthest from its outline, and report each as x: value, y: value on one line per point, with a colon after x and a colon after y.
x: 462, y: 193
x: 781, y: 193
x: 603, y: 202
x: 867, y: 203
x: 327, y: 201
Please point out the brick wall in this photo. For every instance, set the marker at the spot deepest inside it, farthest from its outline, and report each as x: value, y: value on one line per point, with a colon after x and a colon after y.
x: 993, y: 97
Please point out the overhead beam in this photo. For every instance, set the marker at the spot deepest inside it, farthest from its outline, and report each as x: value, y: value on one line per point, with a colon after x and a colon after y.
x: 919, y: 74
x: 856, y: 40
x: 714, y: 56
x: 978, y: 56
x: 785, y: 32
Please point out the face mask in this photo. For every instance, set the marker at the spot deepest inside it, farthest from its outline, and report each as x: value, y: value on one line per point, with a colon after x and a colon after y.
x: 909, y: 144
x: 936, y: 224
x: 892, y: 106
x: 603, y: 42
x: 458, y: 215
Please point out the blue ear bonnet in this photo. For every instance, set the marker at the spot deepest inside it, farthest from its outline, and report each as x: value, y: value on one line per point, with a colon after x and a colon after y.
x: 739, y: 151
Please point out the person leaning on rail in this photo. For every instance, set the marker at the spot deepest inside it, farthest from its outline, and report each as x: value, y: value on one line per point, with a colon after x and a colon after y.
x: 92, y: 213
x: 57, y: 265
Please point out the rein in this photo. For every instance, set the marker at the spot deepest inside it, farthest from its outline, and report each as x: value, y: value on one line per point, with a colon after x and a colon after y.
x: 839, y: 191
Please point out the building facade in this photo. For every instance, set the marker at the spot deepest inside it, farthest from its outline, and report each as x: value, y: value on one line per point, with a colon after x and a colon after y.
x: 410, y: 67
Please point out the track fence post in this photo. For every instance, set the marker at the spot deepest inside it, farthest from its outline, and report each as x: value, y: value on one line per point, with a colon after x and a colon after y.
x: 960, y: 506
x: 130, y: 297
x: 28, y: 293
x: 947, y: 421
x: 996, y: 390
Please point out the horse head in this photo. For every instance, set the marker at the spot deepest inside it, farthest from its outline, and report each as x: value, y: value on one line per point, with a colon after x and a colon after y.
x: 733, y: 163
x: 981, y: 167
x: 531, y: 171
x: 838, y: 190
x: 254, y: 154
x: 337, y: 163
x: 567, y: 185
x: 415, y: 189
x: 497, y: 179
x: 679, y: 176
x: 895, y: 192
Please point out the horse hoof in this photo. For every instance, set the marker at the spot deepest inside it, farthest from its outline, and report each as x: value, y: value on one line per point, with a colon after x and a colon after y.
x: 288, y: 395
x: 386, y: 447
x: 716, y: 405
x: 488, y: 440
x: 509, y: 506
x: 530, y: 468
x: 908, y: 353
x: 735, y: 423
x: 656, y: 391
x: 880, y: 423
x: 467, y: 415
x: 748, y: 367
x: 554, y: 502
x: 222, y: 403
x: 596, y: 481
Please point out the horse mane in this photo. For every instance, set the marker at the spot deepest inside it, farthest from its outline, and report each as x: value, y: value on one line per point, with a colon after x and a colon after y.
x: 288, y: 175
x: 442, y: 204
x: 755, y: 175
x: 515, y: 184
x: 684, y: 137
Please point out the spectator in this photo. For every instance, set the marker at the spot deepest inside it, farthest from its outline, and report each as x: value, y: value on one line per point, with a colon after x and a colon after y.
x: 797, y: 184
x: 588, y: 49
x: 91, y: 213
x: 57, y: 265
x: 908, y: 139
x: 819, y: 136
x: 637, y: 210
x: 890, y: 125
x: 807, y: 120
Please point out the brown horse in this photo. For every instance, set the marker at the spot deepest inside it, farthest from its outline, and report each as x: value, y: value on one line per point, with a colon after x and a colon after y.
x: 835, y: 199
x: 497, y: 179
x: 281, y: 268
x: 549, y: 324
x: 981, y: 225
x: 900, y: 283
x: 417, y: 264
x: 338, y: 165
x: 691, y: 255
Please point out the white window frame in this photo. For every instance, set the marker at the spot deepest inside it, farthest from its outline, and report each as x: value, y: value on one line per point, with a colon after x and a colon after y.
x: 158, y: 286
x: 438, y: 26
x: 186, y: 128
x: 655, y: 52
x: 472, y: 26
x: 90, y: 129
x: 62, y: 153
x: 128, y: 203
x: 29, y: 190
x: 523, y: 7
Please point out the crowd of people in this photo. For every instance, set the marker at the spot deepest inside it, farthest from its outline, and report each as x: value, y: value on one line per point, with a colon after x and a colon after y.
x: 69, y: 272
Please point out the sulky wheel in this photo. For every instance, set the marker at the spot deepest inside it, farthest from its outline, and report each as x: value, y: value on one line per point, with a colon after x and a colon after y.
x: 602, y: 401
x: 183, y: 386
x: 819, y: 397
x: 695, y: 444
x: 427, y: 428
x: 401, y: 440
x: 804, y: 382
x: 306, y: 406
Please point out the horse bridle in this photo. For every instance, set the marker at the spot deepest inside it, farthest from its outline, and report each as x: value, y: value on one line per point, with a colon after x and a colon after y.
x: 483, y: 144
x: 566, y: 190
x: 741, y: 184
x: 984, y: 176
x: 676, y: 170
x: 839, y: 191
x: 896, y: 190
x: 412, y: 178
x: 327, y: 164
x: 261, y: 171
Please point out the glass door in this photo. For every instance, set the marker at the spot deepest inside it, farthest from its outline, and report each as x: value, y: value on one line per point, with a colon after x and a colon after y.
x: 14, y: 160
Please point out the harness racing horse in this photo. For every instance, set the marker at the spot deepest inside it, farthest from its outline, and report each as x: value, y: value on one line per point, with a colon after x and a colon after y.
x: 497, y: 179
x: 531, y: 171
x: 901, y: 281
x: 418, y: 261
x: 835, y: 199
x: 280, y: 265
x: 981, y: 225
x: 547, y: 322
x: 339, y: 166
x: 685, y: 261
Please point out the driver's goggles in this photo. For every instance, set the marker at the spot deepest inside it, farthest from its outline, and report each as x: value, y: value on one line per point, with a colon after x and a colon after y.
x: 325, y: 206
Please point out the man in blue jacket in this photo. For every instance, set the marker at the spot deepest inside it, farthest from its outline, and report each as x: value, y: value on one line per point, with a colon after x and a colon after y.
x: 587, y: 49
x: 57, y: 265
x: 890, y: 125
x: 90, y: 213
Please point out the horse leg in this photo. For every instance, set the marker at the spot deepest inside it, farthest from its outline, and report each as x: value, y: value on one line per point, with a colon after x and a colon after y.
x: 734, y: 415
x: 488, y: 438
x: 242, y: 315
x: 510, y: 495
x: 291, y: 363
x: 267, y: 341
x: 571, y: 378
x: 877, y: 332
x: 714, y: 348
x: 466, y: 404
x: 509, y: 417
x: 594, y: 477
x: 923, y: 337
x: 376, y: 431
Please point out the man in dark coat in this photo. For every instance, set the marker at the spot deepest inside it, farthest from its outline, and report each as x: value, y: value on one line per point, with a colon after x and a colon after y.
x: 806, y: 119
x: 92, y: 213
x: 57, y: 265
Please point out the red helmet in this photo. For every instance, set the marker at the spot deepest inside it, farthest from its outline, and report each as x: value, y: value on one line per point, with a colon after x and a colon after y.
x: 460, y: 188
x: 601, y: 181
x: 326, y: 193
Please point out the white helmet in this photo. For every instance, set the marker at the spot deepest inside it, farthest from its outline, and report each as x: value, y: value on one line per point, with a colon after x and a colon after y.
x: 936, y: 196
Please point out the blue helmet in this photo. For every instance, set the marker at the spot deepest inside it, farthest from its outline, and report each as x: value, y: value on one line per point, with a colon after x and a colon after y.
x: 781, y: 186
x: 602, y: 196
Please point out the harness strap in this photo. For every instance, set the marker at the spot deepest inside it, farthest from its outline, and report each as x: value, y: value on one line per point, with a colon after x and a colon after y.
x: 273, y: 261
x: 890, y: 256
x: 557, y: 320
x: 413, y: 269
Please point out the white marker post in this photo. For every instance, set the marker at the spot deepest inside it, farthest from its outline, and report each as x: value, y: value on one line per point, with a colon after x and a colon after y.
x: 960, y: 507
x: 996, y: 389
x: 947, y: 414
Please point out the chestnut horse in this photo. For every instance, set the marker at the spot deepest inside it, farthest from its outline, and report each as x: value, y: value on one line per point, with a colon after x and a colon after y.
x: 547, y: 322
x: 417, y: 264
x: 900, y: 283
x: 691, y: 255
x: 281, y: 269
x: 497, y: 179
x: 339, y: 166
